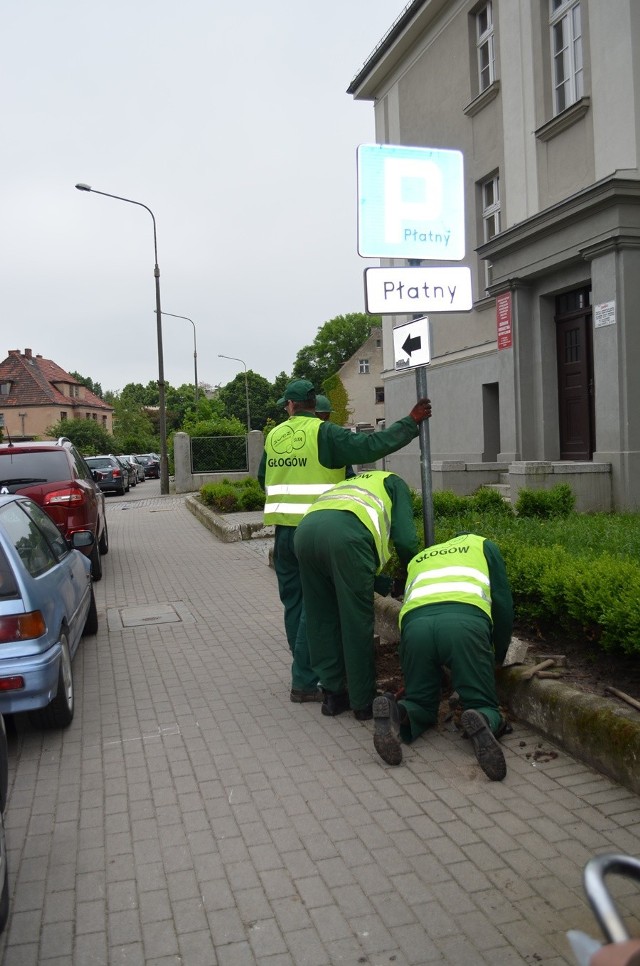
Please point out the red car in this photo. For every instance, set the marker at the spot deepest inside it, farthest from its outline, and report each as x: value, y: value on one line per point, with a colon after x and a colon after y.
x: 57, y: 478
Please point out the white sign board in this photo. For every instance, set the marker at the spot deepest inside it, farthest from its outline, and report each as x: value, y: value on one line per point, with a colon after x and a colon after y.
x: 605, y: 314
x: 400, y: 291
x: 410, y: 203
x: 411, y: 344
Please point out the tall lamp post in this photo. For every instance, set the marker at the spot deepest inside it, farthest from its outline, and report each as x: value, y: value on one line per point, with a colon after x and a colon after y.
x: 195, y: 351
x: 164, y: 459
x: 246, y: 385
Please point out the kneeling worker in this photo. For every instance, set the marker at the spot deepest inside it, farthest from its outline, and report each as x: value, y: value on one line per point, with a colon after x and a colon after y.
x: 342, y: 543
x: 457, y: 613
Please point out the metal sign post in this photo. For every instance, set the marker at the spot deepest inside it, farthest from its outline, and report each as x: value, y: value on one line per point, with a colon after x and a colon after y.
x: 412, y: 350
x: 425, y: 463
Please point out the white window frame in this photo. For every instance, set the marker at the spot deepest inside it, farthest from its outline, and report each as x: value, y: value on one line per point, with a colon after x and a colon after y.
x: 567, y: 67
x: 485, y: 47
x: 363, y: 367
x: 490, y: 189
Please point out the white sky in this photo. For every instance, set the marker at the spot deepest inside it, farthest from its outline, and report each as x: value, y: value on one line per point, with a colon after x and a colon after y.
x: 231, y: 122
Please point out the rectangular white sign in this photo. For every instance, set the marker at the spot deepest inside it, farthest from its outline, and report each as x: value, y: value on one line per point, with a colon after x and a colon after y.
x: 399, y: 291
x: 605, y: 314
x: 410, y: 202
x: 411, y: 344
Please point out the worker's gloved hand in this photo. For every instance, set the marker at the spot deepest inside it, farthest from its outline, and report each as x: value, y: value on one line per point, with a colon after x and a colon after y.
x: 382, y: 584
x: 421, y: 410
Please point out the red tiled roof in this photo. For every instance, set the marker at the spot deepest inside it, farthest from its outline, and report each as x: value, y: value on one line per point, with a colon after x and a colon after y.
x: 33, y: 378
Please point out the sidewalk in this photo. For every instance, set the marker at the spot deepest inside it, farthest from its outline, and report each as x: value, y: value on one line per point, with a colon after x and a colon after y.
x: 192, y: 814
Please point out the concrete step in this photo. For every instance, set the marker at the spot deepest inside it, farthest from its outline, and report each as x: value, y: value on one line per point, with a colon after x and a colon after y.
x: 504, y: 489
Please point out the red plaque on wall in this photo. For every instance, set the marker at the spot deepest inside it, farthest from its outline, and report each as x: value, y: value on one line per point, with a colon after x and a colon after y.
x: 503, y: 320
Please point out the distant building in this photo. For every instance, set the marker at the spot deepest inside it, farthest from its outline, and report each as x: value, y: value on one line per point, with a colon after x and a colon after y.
x: 539, y: 381
x: 35, y: 393
x: 361, y: 376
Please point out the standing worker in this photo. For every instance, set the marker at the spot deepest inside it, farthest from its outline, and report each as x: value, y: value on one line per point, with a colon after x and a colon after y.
x: 342, y: 544
x: 323, y: 407
x: 302, y: 458
x: 457, y: 613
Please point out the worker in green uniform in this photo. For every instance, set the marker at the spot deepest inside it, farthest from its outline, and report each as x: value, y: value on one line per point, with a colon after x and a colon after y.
x: 342, y: 543
x: 303, y: 457
x: 457, y: 613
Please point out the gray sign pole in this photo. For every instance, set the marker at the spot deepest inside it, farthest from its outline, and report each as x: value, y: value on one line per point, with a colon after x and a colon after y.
x: 425, y: 463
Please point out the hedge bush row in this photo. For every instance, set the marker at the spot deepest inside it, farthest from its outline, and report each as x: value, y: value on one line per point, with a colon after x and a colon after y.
x: 233, y: 497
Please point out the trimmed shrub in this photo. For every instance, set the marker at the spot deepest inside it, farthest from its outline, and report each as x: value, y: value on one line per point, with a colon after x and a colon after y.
x: 233, y: 497
x: 559, y: 501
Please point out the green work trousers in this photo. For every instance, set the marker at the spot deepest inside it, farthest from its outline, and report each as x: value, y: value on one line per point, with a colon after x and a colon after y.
x: 338, y: 564
x: 303, y: 677
x: 457, y: 636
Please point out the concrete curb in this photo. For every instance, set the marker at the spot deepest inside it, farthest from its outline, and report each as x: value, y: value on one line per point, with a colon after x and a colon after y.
x: 594, y: 729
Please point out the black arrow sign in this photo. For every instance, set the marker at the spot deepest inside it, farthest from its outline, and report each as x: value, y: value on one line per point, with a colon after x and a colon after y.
x: 412, y: 345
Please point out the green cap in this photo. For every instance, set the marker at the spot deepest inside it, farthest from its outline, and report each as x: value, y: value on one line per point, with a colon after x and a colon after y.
x: 298, y: 391
x: 323, y: 405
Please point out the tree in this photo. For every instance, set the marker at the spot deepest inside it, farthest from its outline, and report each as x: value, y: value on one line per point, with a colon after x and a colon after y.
x: 263, y: 396
x: 133, y: 430
x: 92, y: 386
x: 86, y: 434
x: 336, y: 341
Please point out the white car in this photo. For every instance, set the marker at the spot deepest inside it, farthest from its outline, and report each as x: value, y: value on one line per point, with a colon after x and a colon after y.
x: 140, y: 474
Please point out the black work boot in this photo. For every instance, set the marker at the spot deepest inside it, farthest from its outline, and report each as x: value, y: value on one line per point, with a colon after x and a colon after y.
x: 335, y: 703
x: 487, y: 750
x: 386, y: 721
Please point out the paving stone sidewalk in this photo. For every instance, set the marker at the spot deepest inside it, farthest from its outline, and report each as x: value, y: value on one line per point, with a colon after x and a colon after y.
x: 193, y: 815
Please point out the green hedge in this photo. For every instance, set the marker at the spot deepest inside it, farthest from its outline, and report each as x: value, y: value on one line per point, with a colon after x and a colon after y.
x: 576, y: 572
x: 233, y: 497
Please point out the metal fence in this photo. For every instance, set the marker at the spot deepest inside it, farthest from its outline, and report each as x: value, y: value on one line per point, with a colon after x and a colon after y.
x: 219, y: 454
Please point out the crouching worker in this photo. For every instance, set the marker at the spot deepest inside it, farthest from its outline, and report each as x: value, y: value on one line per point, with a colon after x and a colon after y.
x: 342, y: 543
x: 457, y: 613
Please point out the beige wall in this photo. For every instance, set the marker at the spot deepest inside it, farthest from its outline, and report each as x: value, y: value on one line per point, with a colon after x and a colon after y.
x: 361, y: 387
x: 37, y: 419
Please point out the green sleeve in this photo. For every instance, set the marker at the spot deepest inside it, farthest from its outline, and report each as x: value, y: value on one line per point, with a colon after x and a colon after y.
x: 338, y: 446
x: 501, y: 600
x: 403, y: 528
x: 262, y: 469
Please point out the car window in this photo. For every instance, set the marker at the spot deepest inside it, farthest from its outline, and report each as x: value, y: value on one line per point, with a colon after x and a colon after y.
x: 8, y: 586
x: 36, y: 553
x: 20, y: 469
x: 99, y: 461
x: 44, y: 522
x: 81, y: 468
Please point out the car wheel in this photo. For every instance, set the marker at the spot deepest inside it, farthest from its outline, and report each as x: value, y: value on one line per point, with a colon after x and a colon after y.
x: 134, y: 481
x: 4, y: 895
x: 96, y: 562
x: 91, y: 623
x: 59, y: 712
x: 103, y: 543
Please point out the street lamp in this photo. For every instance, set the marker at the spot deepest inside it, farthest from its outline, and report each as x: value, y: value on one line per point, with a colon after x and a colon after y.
x: 164, y: 459
x: 195, y: 351
x: 246, y: 385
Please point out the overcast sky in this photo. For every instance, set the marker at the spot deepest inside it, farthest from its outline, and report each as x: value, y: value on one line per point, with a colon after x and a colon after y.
x: 230, y: 121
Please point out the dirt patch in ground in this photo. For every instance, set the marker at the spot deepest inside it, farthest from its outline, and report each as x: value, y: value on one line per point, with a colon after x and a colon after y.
x: 588, y: 668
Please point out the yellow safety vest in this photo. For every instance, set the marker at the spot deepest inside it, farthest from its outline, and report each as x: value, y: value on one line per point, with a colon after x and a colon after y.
x: 452, y: 572
x: 294, y: 476
x: 366, y: 496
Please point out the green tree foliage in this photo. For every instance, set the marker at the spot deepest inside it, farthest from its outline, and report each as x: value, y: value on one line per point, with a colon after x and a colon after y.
x: 133, y: 430
x: 339, y: 399
x: 92, y: 386
x: 336, y: 341
x: 86, y: 434
x: 263, y: 396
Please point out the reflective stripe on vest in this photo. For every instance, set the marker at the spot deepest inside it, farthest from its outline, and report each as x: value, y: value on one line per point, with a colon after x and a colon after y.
x: 452, y: 572
x: 365, y: 496
x: 294, y: 476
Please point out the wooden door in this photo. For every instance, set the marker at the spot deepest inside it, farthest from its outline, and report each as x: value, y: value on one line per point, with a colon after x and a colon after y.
x: 575, y: 375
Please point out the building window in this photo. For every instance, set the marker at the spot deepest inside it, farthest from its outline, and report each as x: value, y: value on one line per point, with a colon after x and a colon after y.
x: 104, y: 421
x: 94, y: 416
x: 379, y: 394
x: 63, y: 416
x: 378, y: 343
x: 363, y: 366
x: 490, y: 217
x: 87, y: 415
x: 566, y: 53
x: 5, y: 388
x: 484, y: 45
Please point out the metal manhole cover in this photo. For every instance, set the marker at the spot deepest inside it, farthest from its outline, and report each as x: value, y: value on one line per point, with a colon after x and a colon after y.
x: 145, y: 615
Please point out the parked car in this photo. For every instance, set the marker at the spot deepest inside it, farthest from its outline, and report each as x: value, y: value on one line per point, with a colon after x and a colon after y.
x: 4, y: 788
x: 57, y: 477
x: 47, y: 604
x: 129, y: 468
x: 111, y: 475
x: 138, y: 466
x: 151, y: 465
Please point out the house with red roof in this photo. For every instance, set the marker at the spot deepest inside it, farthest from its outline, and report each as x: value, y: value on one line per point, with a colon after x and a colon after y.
x: 35, y: 393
